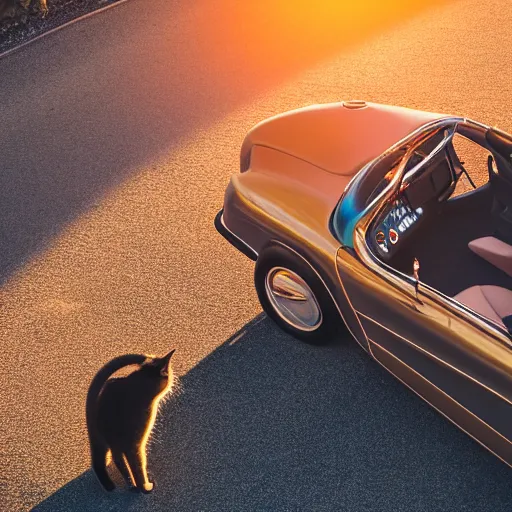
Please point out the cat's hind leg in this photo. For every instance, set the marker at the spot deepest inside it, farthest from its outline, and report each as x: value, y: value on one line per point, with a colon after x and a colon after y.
x: 119, y: 460
x: 99, y: 465
x: 137, y: 463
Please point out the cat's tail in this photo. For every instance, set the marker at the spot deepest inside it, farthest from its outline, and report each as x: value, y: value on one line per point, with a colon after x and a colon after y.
x: 97, y: 443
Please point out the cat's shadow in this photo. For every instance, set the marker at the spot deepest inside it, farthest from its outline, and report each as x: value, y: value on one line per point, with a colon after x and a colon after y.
x: 267, y: 423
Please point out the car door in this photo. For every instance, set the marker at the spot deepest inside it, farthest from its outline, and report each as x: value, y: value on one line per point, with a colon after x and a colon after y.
x: 461, y: 367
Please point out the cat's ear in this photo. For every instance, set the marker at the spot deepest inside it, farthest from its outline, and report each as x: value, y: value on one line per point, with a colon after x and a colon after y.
x: 165, y: 361
x: 168, y: 356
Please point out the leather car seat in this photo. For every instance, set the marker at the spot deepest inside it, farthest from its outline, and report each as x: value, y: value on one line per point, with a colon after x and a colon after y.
x: 495, y: 251
x: 493, y: 302
x: 500, y: 179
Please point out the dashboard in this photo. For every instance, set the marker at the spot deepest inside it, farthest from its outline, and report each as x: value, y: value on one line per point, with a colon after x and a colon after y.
x: 396, y: 224
x: 401, y: 217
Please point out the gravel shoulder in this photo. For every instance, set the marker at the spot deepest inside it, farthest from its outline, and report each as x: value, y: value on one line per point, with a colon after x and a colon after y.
x: 27, y: 26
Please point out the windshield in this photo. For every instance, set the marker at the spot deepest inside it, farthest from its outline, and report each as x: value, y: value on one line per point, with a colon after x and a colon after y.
x: 384, y: 181
x: 383, y: 171
x: 373, y: 180
x: 382, y: 174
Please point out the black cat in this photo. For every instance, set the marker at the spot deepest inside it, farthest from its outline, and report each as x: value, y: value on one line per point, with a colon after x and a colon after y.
x: 121, y: 413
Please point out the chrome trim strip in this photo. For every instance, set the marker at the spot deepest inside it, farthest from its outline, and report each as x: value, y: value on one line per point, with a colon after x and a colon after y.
x: 442, y: 361
x: 327, y: 288
x: 477, y: 124
x: 438, y: 410
x: 236, y: 236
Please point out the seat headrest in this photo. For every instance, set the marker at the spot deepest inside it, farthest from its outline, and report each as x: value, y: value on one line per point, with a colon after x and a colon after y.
x: 496, y: 252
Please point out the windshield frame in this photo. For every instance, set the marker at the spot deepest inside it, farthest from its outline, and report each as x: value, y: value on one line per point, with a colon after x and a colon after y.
x: 352, y: 206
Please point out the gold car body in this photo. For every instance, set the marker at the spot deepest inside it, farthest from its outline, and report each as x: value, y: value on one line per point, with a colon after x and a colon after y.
x: 294, y: 169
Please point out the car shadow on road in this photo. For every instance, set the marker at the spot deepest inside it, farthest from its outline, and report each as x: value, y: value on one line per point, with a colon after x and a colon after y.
x: 266, y: 423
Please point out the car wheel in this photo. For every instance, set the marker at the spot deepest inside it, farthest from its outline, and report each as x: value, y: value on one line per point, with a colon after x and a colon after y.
x: 294, y: 297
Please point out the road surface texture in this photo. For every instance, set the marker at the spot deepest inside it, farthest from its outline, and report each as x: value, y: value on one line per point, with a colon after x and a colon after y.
x: 117, y: 139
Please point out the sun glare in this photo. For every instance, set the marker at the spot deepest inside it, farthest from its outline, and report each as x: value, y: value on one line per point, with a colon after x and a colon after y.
x: 273, y: 33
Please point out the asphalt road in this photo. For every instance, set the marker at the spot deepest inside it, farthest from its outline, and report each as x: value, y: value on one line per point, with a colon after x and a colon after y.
x: 117, y: 138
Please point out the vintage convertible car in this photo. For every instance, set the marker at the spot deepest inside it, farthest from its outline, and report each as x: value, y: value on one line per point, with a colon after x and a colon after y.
x: 352, y: 213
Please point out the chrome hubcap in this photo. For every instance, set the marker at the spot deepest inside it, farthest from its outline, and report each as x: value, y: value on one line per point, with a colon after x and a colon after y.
x: 293, y: 299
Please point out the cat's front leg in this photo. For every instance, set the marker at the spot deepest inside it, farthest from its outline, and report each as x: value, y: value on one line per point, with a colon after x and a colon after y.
x: 137, y: 462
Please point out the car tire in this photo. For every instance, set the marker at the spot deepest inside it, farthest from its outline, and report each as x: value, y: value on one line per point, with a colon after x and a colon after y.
x: 282, y: 279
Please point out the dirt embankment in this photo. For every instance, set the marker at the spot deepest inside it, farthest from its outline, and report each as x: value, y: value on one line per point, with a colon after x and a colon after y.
x: 22, y: 20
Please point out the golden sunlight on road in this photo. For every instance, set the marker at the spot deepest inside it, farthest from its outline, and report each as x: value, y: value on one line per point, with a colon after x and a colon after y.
x: 143, y: 270
x: 273, y: 35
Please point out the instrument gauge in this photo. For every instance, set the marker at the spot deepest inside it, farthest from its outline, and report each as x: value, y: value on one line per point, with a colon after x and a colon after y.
x: 393, y: 236
x: 380, y: 238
